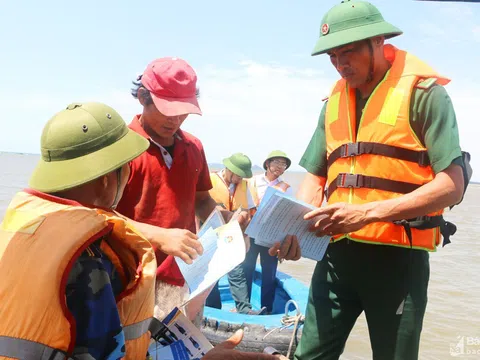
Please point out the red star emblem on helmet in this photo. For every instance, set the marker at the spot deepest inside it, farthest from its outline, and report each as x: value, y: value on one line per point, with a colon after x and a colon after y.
x: 325, y: 29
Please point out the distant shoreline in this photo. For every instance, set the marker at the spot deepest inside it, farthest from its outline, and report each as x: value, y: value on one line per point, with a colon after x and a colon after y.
x: 212, y: 166
x: 18, y: 153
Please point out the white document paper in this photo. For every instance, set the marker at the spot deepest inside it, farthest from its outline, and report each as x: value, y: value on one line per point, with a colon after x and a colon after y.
x: 279, y: 215
x: 223, y: 249
x: 214, y: 220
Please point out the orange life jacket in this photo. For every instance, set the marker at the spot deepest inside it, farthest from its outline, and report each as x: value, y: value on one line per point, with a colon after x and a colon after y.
x: 40, y: 239
x: 385, y: 159
x: 221, y: 194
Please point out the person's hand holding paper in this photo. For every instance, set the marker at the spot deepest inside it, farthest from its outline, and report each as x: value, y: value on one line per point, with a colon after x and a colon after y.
x: 279, y: 224
x: 241, y: 215
x: 244, y: 219
x: 339, y: 218
x: 176, y: 242
x: 288, y: 249
x: 224, y: 249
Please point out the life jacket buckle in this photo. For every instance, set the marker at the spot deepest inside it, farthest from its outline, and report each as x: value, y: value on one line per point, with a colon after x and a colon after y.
x: 350, y: 149
x: 350, y: 180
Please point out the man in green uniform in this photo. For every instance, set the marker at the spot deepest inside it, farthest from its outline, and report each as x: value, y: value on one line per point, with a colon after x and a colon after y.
x: 388, y: 282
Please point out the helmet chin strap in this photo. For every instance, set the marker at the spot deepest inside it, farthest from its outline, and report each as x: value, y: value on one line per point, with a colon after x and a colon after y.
x: 372, y: 62
x: 117, y: 195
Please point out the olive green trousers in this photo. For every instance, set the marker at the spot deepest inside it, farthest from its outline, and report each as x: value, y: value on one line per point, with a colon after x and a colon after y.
x: 388, y: 283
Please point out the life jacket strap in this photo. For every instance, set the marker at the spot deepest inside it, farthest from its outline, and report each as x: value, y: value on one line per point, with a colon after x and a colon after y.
x: 136, y: 330
x: 16, y: 348
x: 447, y: 228
x: 345, y: 180
x: 360, y: 148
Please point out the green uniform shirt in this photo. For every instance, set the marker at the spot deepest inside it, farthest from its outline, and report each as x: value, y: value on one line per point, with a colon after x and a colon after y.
x: 432, y: 118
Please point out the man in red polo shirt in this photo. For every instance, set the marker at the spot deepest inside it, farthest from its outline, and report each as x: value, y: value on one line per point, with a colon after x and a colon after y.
x: 169, y: 183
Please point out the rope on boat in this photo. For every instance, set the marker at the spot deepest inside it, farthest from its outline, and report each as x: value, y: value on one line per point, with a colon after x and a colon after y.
x: 289, y: 320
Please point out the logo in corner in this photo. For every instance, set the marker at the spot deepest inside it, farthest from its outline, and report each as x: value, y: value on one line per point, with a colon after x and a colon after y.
x: 465, y: 345
x: 458, y: 348
x: 325, y: 29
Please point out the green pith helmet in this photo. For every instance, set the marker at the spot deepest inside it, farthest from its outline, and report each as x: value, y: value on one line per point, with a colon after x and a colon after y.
x: 275, y: 154
x: 352, y: 21
x: 82, y: 143
x: 239, y: 164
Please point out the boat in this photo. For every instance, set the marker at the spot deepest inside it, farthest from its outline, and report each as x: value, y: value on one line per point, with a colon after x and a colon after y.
x: 281, y: 330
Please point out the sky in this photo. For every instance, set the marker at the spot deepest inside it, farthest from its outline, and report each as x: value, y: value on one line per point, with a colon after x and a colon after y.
x: 260, y: 89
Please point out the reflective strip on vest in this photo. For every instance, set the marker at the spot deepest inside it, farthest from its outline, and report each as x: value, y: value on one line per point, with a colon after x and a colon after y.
x: 136, y: 330
x: 28, y: 350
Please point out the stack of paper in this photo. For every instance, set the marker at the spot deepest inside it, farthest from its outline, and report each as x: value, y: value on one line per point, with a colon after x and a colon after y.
x: 223, y: 249
x: 280, y: 215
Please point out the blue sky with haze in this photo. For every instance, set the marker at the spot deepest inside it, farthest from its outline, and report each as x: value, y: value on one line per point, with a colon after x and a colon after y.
x: 260, y: 88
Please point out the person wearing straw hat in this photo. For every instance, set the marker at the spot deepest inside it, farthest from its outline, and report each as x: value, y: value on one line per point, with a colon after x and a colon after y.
x: 275, y: 165
x: 386, y: 154
x: 231, y: 191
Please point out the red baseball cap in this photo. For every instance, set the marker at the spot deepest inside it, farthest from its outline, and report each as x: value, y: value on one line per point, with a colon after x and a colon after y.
x: 172, y: 83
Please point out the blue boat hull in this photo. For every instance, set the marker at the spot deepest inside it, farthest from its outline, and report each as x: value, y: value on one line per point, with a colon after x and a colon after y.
x: 260, y: 331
